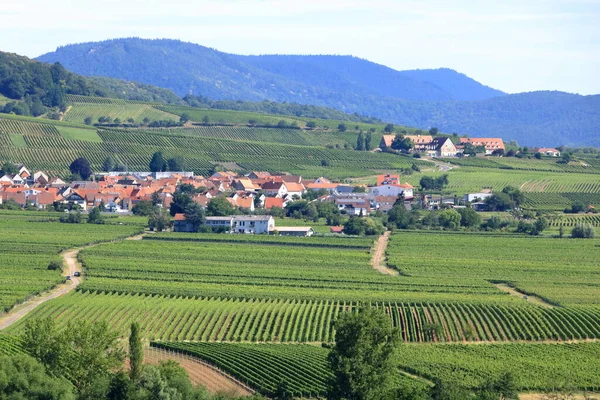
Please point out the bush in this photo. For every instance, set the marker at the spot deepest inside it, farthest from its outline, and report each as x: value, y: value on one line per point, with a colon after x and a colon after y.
x: 583, y: 231
x: 55, y: 265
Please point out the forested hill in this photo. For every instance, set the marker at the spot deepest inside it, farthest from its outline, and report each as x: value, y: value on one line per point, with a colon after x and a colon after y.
x: 317, y: 79
x: 38, y: 87
x: 422, y: 98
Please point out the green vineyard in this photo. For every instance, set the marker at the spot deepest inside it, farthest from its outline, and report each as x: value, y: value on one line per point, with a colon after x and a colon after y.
x: 45, y: 147
x: 10, y: 345
x: 262, y: 367
x: 535, y: 367
x: 175, y: 318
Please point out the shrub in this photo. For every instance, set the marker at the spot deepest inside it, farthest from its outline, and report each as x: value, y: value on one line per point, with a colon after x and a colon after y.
x: 583, y: 231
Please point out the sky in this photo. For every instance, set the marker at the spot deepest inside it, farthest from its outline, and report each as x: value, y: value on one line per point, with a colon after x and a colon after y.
x: 511, y: 45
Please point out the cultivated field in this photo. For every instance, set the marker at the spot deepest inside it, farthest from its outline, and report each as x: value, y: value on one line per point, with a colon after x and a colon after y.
x: 29, y: 241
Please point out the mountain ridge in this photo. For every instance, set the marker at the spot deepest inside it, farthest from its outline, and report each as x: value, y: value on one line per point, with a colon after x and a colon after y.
x: 443, y: 98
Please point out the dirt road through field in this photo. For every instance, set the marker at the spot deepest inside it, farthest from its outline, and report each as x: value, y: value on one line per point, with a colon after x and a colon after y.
x: 529, y: 298
x: 70, y: 266
x: 215, y: 380
x: 378, y: 259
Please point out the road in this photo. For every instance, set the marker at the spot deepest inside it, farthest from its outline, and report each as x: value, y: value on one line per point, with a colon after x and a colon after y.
x: 71, y: 265
x: 378, y: 259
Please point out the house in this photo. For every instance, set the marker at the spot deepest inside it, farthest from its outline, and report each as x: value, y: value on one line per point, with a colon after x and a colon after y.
x: 393, y: 189
x: 277, y: 189
x: 491, y: 144
x: 251, y: 224
x: 271, y: 202
x: 181, y: 225
x: 292, y: 231
x: 336, y: 229
x: 549, y: 152
x: 473, y: 197
x: 442, y: 147
x: 294, y: 189
x: 421, y: 143
x: 388, y: 179
x: 244, y: 184
x: 74, y: 198
x: 259, y: 175
x: 384, y: 203
x: 316, y: 186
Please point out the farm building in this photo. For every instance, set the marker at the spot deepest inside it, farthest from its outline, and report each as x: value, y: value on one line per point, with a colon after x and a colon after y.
x: 293, y: 231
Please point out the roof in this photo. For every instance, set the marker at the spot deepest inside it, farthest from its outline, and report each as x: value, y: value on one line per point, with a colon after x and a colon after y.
x: 315, y: 185
x: 272, y: 185
x: 294, y: 187
x: 179, y: 217
x: 420, y: 139
x: 438, y: 142
x: 548, y: 150
x: 489, y: 143
x: 271, y: 202
x: 387, y: 179
x: 336, y: 229
x: 292, y: 229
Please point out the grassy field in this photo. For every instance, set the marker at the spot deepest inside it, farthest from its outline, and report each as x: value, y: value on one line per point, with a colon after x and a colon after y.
x: 72, y: 133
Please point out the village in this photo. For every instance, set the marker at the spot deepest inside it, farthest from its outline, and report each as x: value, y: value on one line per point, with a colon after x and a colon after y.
x: 257, y: 197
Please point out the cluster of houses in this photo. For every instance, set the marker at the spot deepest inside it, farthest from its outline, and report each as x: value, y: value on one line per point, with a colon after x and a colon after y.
x: 121, y: 191
x: 442, y: 146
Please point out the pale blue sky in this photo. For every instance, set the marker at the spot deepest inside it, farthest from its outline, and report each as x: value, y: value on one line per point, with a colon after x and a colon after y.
x: 512, y: 45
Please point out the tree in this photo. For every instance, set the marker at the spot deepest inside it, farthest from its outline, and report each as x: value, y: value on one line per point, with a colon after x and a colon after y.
x: 143, y: 208
x: 360, y: 141
x: 194, y: 214
x: 362, y: 357
x: 82, y: 351
x: 469, y: 217
x: 9, y: 168
x: 108, y: 164
x: 22, y: 377
x: 95, y: 217
x: 88, y: 120
x: 449, y: 218
x: 369, y: 141
x: 503, y: 388
x: 342, y: 127
x: 538, y: 155
x: 362, y: 226
x: 325, y: 163
x: 302, y: 209
x: 402, y: 143
x: 136, y: 352
x: 159, y: 219
x: 206, y: 120
x: 515, y: 195
x: 433, y: 131
x: 179, y: 203
x: 389, y: 128
x: 311, y: 124
x: 157, y: 164
x: 185, y: 117
x: 430, y: 183
x: 219, y: 207
x: 81, y: 167
x: 400, y: 216
x: 176, y: 164
x: 499, y: 202
x: 583, y: 231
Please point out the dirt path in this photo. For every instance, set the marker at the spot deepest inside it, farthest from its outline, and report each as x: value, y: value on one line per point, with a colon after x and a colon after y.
x: 70, y: 266
x: 530, y: 298
x: 559, y: 396
x: 378, y: 259
x: 215, y: 380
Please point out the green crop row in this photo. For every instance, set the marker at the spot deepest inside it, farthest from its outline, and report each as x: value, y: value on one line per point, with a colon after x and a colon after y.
x: 535, y: 367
